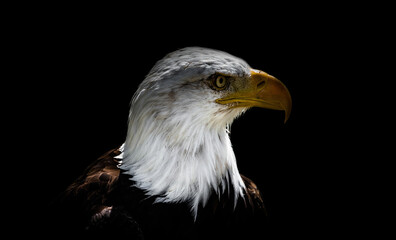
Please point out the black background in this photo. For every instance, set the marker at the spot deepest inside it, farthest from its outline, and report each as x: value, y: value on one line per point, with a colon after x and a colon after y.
x: 81, y: 66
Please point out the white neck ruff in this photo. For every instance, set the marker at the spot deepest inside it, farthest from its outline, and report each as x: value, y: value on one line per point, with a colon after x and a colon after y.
x: 180, y: 161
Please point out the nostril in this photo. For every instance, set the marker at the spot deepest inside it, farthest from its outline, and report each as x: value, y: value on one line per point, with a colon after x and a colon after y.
x: 260, y: 84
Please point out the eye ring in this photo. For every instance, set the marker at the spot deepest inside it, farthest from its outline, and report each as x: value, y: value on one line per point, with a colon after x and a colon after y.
x: 219, y: 82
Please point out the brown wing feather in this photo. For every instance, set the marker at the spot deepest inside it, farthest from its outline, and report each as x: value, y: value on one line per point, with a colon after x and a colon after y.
x: 253, y: 195
x: 94, y: 185
x: 88, y: 207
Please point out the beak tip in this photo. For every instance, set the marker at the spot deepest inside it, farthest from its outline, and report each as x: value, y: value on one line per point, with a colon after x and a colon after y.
x: 286, y: 118
x: 287, y: 112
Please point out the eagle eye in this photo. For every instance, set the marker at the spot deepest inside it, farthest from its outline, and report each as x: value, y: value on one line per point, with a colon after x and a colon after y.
x: 219, y: 82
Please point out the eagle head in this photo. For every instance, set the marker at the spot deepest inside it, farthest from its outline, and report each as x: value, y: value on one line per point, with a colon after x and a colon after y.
x: 177, y: 147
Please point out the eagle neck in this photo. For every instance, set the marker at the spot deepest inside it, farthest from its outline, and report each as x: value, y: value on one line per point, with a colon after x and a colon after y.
x: 180, y: 162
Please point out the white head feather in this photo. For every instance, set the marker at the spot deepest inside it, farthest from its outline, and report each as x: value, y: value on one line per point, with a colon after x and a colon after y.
x: 177, y: 146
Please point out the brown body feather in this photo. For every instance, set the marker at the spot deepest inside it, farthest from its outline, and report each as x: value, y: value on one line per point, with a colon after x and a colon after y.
x: 96, y: 183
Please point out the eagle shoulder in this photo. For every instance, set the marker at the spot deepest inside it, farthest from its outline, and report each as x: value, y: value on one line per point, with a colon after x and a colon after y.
x: 87, y: 198
x: 97, y: 181
x: 253, y: 195
x: 87, y: 208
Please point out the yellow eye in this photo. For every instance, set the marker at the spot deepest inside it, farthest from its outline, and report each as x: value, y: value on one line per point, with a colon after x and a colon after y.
x: 220, y: 82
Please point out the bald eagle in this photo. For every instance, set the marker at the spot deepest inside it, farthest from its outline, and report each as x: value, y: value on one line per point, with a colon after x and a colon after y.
x: 176, y: 174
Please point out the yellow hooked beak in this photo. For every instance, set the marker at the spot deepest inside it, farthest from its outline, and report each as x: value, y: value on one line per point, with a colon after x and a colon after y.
x: 260, y: 90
